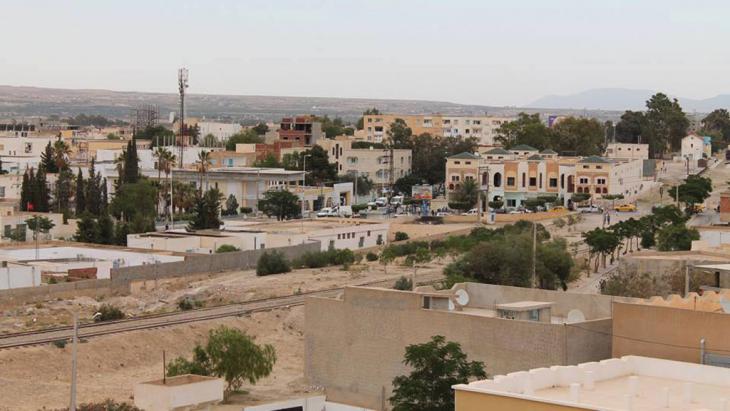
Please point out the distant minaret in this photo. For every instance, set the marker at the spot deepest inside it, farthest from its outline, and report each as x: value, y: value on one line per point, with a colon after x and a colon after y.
x: 182, y: 82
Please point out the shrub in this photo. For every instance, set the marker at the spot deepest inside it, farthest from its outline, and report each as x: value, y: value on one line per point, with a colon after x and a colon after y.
x: 108, y: 312
x: 319, y: 259
x: 60, y: 343
x: 107, y: 405
x: 227, y: 248
x: 403, y: 284
x: 52, y: 280
x: 246, y: 210
x: 401, y: 236
x: 272, y: 263
x: 356, y: 208
x: 371, y: 256
x: 188, y: 303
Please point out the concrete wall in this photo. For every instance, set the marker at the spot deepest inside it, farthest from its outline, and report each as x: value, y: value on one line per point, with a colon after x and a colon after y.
x: 122, y: 278
x: 668, y: 333
x: 354, y: 347
x: 475, y: 401
x: 18, y: 276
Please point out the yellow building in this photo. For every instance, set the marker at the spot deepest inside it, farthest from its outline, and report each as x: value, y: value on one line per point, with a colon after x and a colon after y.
x: 483, y: 128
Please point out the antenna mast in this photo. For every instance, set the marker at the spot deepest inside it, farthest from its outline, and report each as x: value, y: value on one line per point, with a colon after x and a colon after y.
x: 182, y: 82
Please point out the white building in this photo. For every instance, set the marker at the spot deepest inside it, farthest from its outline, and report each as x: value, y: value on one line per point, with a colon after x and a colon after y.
x: 221, y: 131
x: 372, y: 163
x: 18, y: 275
x: 202, y: 241
x: 181, y: 392
x: 627, y: 151
x: 693, y: 147
x: 629, y: 383
x: 483, y: 128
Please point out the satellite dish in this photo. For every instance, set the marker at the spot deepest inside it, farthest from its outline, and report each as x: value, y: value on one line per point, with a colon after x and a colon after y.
x: 725, y: 303
x: 462, y: 297
x: 452, y: 307
x: 575, y: 316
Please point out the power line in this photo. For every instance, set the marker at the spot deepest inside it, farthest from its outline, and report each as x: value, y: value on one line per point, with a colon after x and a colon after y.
x: 623, y: 337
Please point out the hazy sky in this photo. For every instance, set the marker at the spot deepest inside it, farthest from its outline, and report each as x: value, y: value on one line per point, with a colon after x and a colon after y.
x: 506, y: 52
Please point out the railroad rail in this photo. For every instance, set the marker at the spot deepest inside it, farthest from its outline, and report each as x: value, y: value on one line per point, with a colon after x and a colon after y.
x: 88, y: 330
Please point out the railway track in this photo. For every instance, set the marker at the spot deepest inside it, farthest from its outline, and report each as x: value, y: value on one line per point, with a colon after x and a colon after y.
x: 23, y: 339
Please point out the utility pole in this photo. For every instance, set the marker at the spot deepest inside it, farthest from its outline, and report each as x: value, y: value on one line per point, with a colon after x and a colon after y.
x: 534, y: 254
x: 172, y: 204
x: 304, y: 184
x: 72, y: 406
x: 182, y: 82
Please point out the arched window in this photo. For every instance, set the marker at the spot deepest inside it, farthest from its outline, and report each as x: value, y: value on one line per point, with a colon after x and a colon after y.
x: 562, y: 181
x: 451, y: 186
x: 498, y: 179
x: 580, y: 189
x: 605, y: 190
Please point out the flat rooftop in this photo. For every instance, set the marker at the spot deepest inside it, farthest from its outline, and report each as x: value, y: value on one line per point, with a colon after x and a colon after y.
x: 81, y: 253
x: 295, y: 226
x: 629, y: 383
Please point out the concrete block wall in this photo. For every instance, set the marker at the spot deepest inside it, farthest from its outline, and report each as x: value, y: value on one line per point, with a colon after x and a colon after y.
x: 354, y: 347
x: 89, y: 288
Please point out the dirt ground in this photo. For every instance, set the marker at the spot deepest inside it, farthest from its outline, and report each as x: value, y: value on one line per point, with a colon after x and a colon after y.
x: 109, y: 366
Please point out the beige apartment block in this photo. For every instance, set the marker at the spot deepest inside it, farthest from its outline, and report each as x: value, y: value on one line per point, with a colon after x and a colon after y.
x: 373, y: 163
x: 483, y: 128
x: 354, y: 345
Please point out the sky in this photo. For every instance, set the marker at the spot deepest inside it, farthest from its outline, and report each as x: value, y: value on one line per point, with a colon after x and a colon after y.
x: 473, y: 52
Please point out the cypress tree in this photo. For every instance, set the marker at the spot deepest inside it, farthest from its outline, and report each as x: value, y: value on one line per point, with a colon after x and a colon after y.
x: 131, y: 163
x: 93, y: 191
x: 104, y: 195
x: 25, y: 192
x: 33, y: 196
x: 80, y: 194
x: 47, y: 160
x: 44, y: 197
x: 63, y: 190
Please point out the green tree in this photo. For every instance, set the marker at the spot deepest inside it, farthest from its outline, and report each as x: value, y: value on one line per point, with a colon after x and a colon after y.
x: 260, y: 128
x: 400, y: 135
x: 526, y: 129
x: 231, y: 205
x: 272, y: 262
x: 364, y: 184
x: 131, y: 163
x: 676, y: 237
x: 135, y: 203
x: 666, y: 124
x: 40, y: 193
x: 630, y: 127
x: 106, y: 229
x: 403, y: 284
x: 583, y: 136
x: 93, y: 191
x: 319, y: 168
x: 232, y: 355
x: 209, y: 141
x: 280, y: 204
x: 695, y: 190
x: 207, y: 211
x: 63, y: 190
x: 80, y: 196
x: 226, y: 248
x: 465, y: 198
x: 247, y: 137
x: 435, y: 366
x: 269, y: 161
x: 40, y: 225
x: 47, y: 159
x: 61, y: 152
x: 718, y: 121
x: 601, y: 243
x: 26, y: 194
x: 87, y: 230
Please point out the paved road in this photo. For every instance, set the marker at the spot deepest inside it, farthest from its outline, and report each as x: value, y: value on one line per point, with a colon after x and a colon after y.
x: 168, y: 319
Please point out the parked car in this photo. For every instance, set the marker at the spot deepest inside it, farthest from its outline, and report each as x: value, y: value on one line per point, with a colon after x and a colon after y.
x: 590, y: 209
x: 325, y: 212
x: 473, y: 211
x: 443, y: 214
x: 625, y: 208
x: 336, y: 211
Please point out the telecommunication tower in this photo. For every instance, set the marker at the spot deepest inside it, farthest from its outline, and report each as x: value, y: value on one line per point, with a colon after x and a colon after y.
x: 182, y: 82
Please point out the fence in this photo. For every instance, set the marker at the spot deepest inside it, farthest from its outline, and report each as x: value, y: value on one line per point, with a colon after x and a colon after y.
x: 122, y: 278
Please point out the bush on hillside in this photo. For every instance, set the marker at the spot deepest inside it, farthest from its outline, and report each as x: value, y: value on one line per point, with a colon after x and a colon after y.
x: 401, y: 236
x: 108, y: 312
x: 272, y: 263
x: 371, y: 256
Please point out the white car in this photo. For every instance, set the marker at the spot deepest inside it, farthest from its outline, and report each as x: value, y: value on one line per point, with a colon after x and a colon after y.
x: 590, y: 209
x: 442, y: 214
x: 473, y: 211
x: 325, y: 212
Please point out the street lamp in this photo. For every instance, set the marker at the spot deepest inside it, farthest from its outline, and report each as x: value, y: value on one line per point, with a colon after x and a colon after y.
x: 304, y: 184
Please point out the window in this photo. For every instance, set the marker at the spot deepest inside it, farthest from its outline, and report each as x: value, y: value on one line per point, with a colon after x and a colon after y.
x: 477, y: 122
x: 533, y: 181
x: 523, y: 179
x: 599, y: 167
x: 562, y: 181
x: 600, y: 181
x: 339, y: 236
x: 454, y: 178
x: 534, y: 315
x: 540, y: 180
x: 511, y: 203
x: 8, y: 230
x: 457, y: 162
x: 361, y: 243
x: 584, y: 180
x: 598, y: 190
x: 332, y: 244
x: 28, y: 147
x: 586, y: 167
x: 553, y: 182
x: 467, y: 163
x: 511, y: 181
x: 379, y: 240
x: 497, y: 179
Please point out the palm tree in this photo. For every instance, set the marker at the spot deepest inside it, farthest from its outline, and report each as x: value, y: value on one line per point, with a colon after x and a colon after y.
x: 61, y: 151
x: 203, y: 165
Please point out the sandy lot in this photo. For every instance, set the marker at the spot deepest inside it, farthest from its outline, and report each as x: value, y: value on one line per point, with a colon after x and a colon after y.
x: 109, y: 366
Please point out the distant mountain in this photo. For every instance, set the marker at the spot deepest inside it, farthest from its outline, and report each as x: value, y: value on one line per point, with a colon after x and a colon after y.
x: 36, y: 101
x: 623, y: 99
x: 16, y: 102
